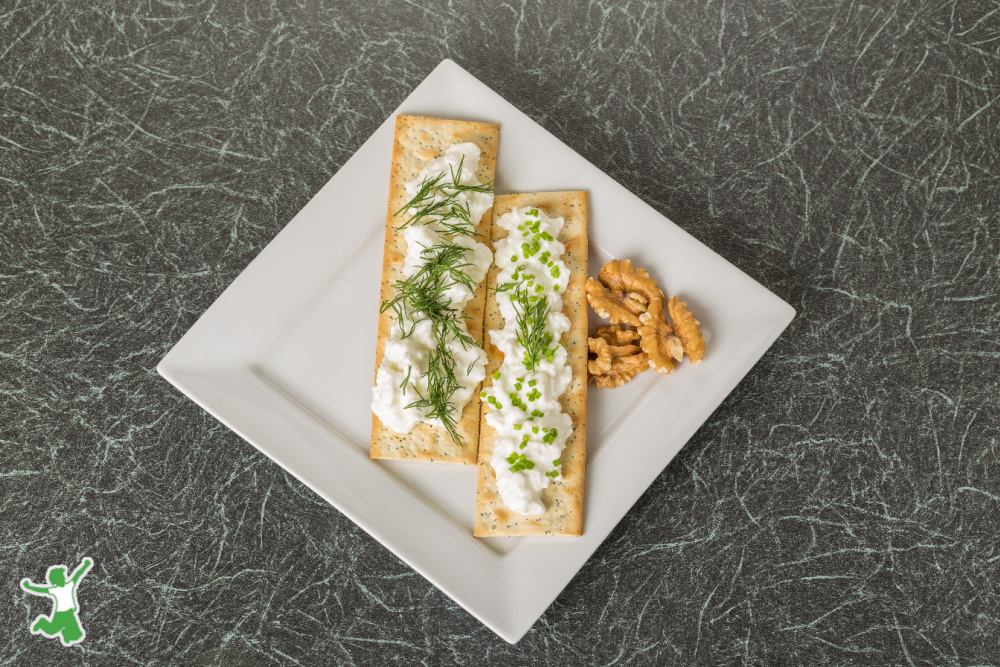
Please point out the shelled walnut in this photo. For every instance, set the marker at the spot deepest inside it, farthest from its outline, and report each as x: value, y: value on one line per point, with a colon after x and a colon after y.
x: 658, y: 339
x: 616, y: 334
x: 621, y: 292
x: 626, y: 295
x: 687, y: 329
x: 618, y: 358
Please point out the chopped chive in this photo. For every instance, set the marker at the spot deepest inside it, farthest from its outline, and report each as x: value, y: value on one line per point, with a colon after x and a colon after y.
x: 519, y: 462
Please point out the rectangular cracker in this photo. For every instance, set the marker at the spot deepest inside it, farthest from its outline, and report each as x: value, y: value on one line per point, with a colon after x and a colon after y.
x: 564, y: 498
x: 416, y: 142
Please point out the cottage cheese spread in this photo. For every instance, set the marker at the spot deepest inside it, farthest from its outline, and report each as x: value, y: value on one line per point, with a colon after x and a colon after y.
x: 419, y: 346
x: 525, y: 393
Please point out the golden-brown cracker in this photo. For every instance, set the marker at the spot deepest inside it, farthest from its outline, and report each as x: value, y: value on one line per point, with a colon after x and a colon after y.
x: 416, y: 142
x: 564, y: 498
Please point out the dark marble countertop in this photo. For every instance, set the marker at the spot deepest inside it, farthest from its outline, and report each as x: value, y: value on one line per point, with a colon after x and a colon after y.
x: 840, y: 507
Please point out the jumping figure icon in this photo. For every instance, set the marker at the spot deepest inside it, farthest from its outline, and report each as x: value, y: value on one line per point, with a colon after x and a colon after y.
x: 64, y: 620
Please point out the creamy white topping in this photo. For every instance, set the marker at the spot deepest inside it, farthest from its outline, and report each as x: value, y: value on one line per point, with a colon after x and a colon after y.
x: 525, y: 394
x: 403, y: 377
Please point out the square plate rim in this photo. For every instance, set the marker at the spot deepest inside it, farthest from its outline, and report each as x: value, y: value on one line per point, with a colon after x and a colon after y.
x: 176, y: 368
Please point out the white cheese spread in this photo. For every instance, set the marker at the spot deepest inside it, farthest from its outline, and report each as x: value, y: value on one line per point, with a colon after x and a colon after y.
x: 526, y: 413
x: 431, y: 365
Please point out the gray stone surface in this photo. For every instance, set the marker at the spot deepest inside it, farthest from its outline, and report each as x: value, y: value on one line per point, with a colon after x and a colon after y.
x: 840, y: 507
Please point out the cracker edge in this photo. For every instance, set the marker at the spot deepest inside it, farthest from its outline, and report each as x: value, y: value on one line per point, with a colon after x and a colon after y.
x: 426, y: 442
x: 492, y: 518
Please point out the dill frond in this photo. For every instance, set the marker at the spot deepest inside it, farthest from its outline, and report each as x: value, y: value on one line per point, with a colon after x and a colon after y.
x: 422, y: 296
x: 531, y: 334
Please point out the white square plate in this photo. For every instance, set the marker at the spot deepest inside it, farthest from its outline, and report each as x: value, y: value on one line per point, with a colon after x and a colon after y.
x: 285, y: 358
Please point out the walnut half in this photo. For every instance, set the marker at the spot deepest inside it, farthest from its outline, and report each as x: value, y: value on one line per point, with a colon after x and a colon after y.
x: 687, y: 329
x: 658, y: 339
x: 618, y: 358
x: 621, y: 292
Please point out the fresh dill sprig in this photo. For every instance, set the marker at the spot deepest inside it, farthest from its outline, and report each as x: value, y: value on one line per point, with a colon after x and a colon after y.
x: 531, y: 314
x: 441, y: 385
x: 406, y: 380
x: 449, y: 259
x: 437, y: 201
x: 422, y: 295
